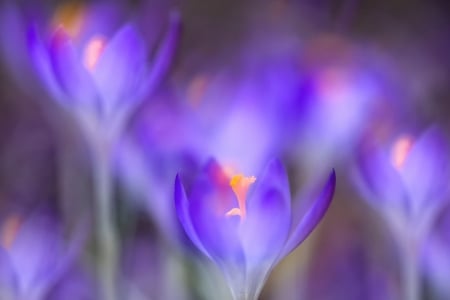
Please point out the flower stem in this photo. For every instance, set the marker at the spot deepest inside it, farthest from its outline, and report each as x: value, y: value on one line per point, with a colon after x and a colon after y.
x: 106, y: 233
x: 411, y: 272
x: 247, y: 295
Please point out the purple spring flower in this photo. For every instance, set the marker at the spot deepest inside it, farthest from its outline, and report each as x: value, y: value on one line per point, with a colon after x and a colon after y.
x: 245, y: 225
x: 408, y: 184
x: 34, y: 257
x: 102, y: 80
x: 408, y: 180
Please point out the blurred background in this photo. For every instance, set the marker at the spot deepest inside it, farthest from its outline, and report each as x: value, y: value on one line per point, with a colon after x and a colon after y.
x: 311, y: 82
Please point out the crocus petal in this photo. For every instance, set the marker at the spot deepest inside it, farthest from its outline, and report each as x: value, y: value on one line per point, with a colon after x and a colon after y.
x: 71, y: 74
x: 263, y: 234
x: 266, y: 226
x: 67, y: 257
x: 42, y: 62
x: 426, y: 169
x: 182, y: 208
x: 312, y: 216
x: 120, y: 69
x: 8, y: 284
x: 164, y: 54
x: 383, y: 182
x: 35, y: 253
x: 13, y: 48
x: 209, y: 201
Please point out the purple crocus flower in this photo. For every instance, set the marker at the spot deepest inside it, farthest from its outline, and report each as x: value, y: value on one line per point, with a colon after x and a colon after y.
x: 100, y: 84
x: 244, y: 225
x: 102, y: 80
x: 408, y: 183
x: 34, y: 257
x: 408, y: 179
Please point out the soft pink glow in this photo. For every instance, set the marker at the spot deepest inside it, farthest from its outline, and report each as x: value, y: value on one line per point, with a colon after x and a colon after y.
x: 93, y: 51
x: 400, y: 151
x: 9, y: 230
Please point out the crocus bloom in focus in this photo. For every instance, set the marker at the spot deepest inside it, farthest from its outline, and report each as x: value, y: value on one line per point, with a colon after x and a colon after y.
x: 104, y: 79
x: 244, y: 224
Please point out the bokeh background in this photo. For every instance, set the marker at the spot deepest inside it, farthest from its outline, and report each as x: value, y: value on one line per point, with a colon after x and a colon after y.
x: 307, y: 81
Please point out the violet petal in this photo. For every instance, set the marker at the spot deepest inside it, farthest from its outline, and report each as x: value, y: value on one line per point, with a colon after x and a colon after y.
x: 120, y: 69
x: 312, y: 216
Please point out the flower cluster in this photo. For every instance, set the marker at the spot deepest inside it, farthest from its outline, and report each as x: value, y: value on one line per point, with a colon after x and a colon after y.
x: 148, y: 146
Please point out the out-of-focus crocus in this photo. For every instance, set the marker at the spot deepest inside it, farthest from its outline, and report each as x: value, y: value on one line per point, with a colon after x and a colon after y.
x: 101, y: 83
x: 102, y: 80
x: 408, y: 180
x: 244, y: 224
x: 34, y: 258
x: 408, y: 183
x: 336, y: 97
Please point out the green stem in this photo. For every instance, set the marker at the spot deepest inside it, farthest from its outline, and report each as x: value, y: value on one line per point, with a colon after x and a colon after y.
x: 106, y: 233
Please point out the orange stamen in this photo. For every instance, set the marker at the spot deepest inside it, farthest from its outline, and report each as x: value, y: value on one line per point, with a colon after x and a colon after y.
x: 240, y: 185
x: 400, y: 151
x: 71, y: 17
x: 93, y: 51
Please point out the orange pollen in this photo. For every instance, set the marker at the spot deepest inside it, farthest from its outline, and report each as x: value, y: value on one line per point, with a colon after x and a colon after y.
x: 400, y: 151
x: 93, y: 51
x: 71, y: 17
x: 240, y: 185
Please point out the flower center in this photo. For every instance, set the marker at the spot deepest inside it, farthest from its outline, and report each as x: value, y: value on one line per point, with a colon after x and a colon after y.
x: 400, y: 151
x: 240, y: 185
x: 93, y: 51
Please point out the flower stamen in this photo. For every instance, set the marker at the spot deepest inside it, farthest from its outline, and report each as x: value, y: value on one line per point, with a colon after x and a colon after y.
x: 93, y: 51
x: 240, y: 185
x: 400, y: 151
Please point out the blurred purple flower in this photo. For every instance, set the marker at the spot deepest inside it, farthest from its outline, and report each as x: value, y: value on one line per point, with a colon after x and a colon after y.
x: 34, y: 257
x: 408, y: 180
x: 80, y: 20
x: 336, y: 98
x: 408, y: 183
x: 104, y: 79
x: 247, y: 236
